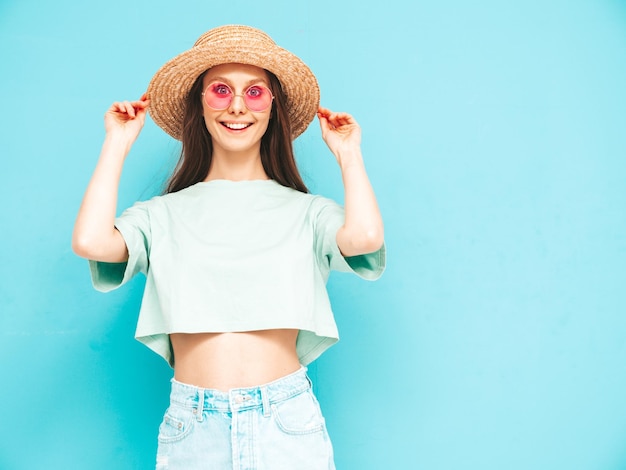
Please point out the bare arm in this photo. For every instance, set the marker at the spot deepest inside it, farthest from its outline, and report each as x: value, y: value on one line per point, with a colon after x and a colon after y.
x: 95, y: 236
x: 363, y: 230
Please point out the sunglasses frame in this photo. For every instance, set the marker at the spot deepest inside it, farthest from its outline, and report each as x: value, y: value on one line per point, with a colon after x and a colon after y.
x: 233, y: 95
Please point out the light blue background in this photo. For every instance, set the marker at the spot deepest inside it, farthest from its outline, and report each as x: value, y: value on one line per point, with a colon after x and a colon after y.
x: 495, y: 136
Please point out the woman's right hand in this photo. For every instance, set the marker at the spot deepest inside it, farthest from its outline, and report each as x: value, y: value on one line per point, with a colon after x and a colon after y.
x: 95, y: 236
x: 126, y: 118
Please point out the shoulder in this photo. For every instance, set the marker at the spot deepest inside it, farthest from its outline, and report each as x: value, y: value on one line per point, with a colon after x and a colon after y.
x: 319, y: 203
x: 314, y: 203
x: 157, y: 203
x: 179, y: 197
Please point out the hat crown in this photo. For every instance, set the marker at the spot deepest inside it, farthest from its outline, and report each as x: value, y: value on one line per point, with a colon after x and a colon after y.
x: 231, y: 33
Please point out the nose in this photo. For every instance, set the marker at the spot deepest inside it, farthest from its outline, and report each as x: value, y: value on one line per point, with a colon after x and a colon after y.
x: 237, y: 106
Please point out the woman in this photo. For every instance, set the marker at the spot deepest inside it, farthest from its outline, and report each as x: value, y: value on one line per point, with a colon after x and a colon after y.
x: 236, y: 253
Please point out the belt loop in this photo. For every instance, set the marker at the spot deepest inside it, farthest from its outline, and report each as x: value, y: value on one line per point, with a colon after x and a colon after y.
x: 200, y: 407
x: 266, y: 402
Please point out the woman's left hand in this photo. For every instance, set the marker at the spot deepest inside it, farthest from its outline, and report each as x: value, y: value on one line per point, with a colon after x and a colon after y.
x: 340, y: 131
x: 362, y: 231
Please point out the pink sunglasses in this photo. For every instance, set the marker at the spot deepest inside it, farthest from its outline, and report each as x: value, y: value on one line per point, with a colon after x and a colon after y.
x: 219, y: 96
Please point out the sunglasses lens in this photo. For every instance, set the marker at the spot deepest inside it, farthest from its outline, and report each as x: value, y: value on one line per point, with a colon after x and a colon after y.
x: 219, y: 96
x: 258, y: 98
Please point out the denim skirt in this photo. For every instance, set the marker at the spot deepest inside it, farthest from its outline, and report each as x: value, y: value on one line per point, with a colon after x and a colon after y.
x: 275, y: 426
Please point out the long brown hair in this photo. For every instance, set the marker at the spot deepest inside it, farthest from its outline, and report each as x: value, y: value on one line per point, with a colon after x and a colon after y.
x: 197, y: 152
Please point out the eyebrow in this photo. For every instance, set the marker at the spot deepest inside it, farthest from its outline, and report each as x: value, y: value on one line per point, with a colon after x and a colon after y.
x: 246, y: 85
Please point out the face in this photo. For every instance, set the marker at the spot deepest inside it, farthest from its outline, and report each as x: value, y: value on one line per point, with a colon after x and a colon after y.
x: 236, y: 128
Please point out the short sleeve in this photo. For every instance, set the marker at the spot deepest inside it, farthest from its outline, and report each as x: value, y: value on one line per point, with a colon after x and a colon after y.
x: 134, y: 225
x: 329, y: 217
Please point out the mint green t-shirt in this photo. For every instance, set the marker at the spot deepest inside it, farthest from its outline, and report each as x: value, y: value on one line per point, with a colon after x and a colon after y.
x: 228, y: 256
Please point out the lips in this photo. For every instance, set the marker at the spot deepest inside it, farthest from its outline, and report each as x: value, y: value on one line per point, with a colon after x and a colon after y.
x: 236, y: 126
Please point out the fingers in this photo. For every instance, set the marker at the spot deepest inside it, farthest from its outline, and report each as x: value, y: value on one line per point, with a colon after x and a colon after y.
x: 323, y: 112
x: 143, y: 102
x: 124, y: 107
x: 130, y: 108
x: 334, y: 119
x: 340, y: 131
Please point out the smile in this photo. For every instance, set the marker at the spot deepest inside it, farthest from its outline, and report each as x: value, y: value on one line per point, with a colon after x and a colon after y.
x: 236, y: 126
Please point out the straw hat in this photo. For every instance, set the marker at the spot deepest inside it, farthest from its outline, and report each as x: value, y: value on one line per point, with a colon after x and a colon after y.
x: 232, y: 44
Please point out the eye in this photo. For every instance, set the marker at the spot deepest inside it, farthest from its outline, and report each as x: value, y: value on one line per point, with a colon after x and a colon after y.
x: 256, y: 91
x: 220, y: 89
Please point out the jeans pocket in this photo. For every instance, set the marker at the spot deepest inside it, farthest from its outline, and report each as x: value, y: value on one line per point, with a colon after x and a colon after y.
x: 299, y: 415
x: 176, y: 425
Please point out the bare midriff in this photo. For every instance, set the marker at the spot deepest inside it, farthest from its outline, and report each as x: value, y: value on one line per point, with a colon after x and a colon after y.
x: 224, y: 361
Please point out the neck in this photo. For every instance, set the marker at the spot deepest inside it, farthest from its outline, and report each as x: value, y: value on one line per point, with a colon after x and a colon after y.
x: 236, y: 167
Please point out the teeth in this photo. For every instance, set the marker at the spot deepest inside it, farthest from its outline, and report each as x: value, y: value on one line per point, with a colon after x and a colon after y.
x: 236, y: 126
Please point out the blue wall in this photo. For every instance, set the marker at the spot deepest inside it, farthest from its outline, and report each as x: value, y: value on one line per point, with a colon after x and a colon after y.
x: 495, y: 135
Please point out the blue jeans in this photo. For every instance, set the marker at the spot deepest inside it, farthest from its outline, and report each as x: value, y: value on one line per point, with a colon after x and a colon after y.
x: 276, y: 426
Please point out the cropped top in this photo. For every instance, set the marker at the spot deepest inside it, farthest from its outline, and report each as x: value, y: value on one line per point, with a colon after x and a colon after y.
x: 232, y: 256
